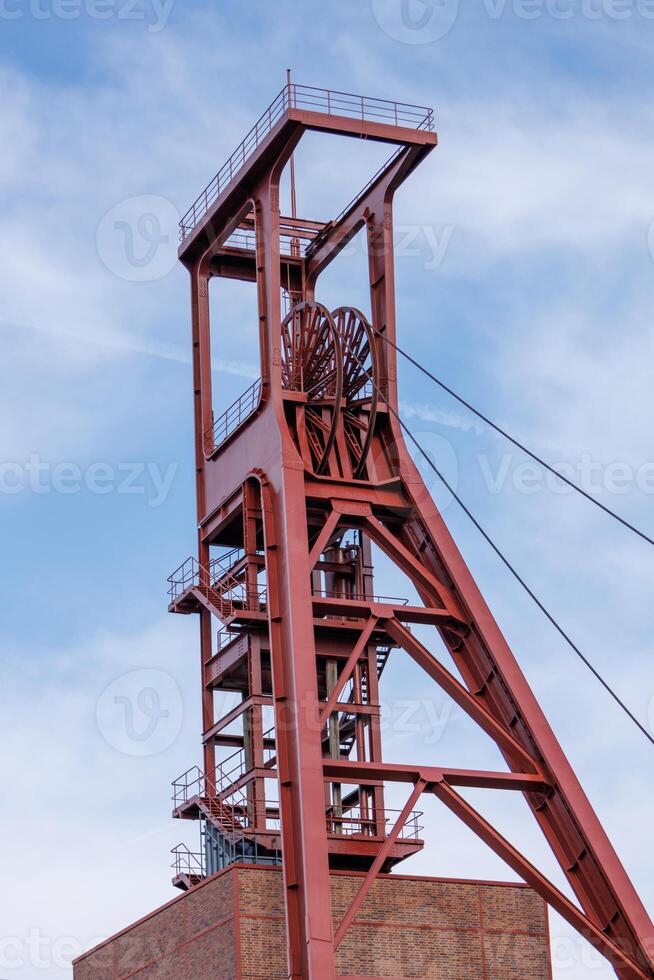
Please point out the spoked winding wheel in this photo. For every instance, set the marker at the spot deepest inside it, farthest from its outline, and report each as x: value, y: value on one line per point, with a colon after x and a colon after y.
x: 360, y: 383
x: 312, y: 365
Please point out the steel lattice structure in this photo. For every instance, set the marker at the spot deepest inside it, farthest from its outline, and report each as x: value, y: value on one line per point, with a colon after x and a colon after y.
x: 295, y: 482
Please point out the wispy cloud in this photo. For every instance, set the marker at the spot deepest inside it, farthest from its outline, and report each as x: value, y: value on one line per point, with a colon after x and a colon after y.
x: 449, y: 419
x: 122, y: 343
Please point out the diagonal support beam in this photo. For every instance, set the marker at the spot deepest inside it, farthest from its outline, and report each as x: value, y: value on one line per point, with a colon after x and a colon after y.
x: 566, y: 817
x: 322, y: 540
x: 348, y: 670
x: 378, y: 863
x: 533, y: 877
x: 410, y: 565
x: 460, y: 694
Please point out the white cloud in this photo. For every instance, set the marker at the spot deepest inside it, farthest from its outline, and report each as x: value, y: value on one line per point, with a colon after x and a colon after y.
x: 88, y: 819
x: 586, y: 380
x: 516, y: 176
x: 429, y: 413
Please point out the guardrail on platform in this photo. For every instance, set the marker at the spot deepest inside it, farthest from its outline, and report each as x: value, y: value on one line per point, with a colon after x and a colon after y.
x: 240, y: 410
x: 294, y: 96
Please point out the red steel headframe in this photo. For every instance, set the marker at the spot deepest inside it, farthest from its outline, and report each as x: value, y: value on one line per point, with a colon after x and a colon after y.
x: 307, y: 456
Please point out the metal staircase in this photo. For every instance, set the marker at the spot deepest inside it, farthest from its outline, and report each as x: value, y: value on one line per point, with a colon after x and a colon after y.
x: 232, y: 828
x: 347, y: 729
x: 221, y: 587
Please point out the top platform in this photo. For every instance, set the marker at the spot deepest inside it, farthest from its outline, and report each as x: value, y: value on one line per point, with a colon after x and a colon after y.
x: 313, y: 108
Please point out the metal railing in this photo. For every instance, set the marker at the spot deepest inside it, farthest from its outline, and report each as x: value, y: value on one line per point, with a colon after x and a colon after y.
x: 238, y: 593
x: 373, y: 823
x: 327, y: 101
x: 241, y: 239
x: 244, y: 406
x: 184, y: 577
x: 223, y: 564
x: 359, y: 597
x: 234, y: 164
x: 191, y: 573
x: 233, y: 820
x: 187, y: 862
x: 196, y: 783
x: 224, y: 637
x: 191, y: 783
x: 238, y: 817
x: 290, y: 245
x: 233, y: 590
x: 230, y: 770
x: 334, y: 103
x: 231, y: 811
x: 219, y: 576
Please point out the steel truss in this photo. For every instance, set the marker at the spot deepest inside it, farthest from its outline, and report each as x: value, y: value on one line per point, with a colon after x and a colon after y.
x: 308, y: 472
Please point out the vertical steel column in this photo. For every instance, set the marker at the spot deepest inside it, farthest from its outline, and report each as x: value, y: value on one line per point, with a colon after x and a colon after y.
x: 306, y: 867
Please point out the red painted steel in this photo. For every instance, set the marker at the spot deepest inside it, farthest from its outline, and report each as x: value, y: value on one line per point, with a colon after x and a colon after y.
x: 294, y: 484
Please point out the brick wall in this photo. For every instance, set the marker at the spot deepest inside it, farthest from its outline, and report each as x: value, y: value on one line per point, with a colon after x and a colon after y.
x: 191, y: 937
x: 231, y: 927
x: 450, y: 930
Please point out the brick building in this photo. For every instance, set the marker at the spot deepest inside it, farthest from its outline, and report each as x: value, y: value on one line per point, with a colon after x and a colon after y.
x: 231, y: 927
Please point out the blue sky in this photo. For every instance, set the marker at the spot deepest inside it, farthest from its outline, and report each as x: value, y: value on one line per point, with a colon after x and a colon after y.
x: 525, y: 278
